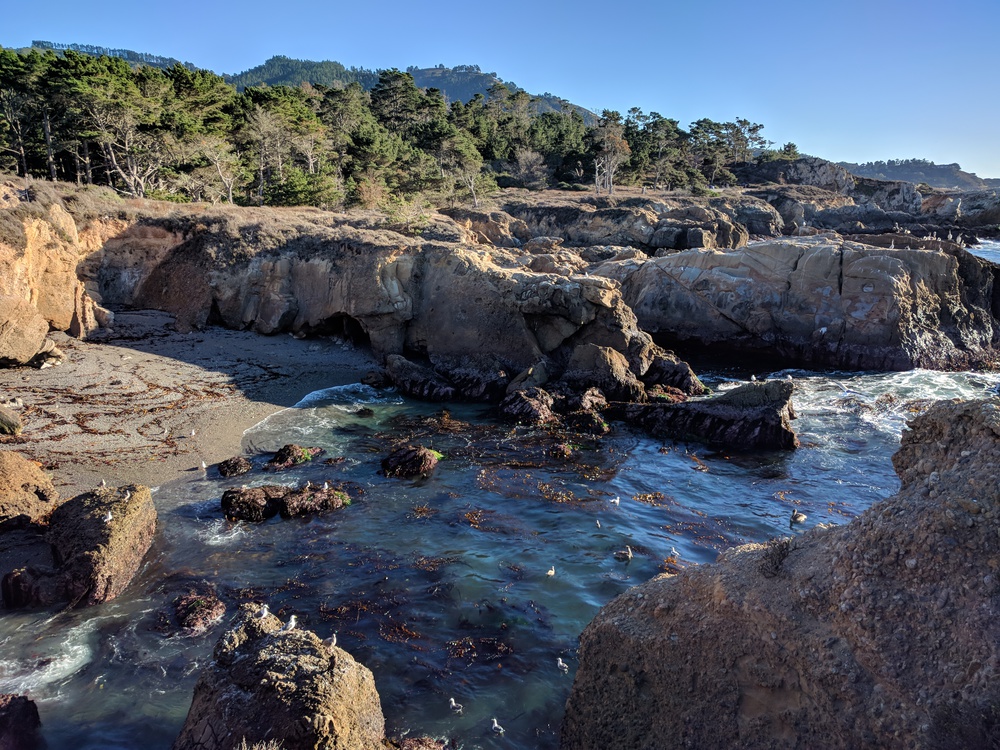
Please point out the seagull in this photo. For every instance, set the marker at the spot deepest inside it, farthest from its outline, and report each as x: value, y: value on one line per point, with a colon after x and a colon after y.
x: 551, y: 571
x: 104, y: 483
x: 563, y: 666
x: 624, y: 554
x: 497, y: 729
x: 128, y: 494
x: 598, y: 523
x: 797, y: 517
x: 193, y: 432
x: 263, y: 612
x: 326, y: 486
x: 204, y: 466
x: 753, y: 378
x: 331, y: 641
x: 616, y: 500
x: 289, y: 626
x: 108, y: 517
x: 456, y: 707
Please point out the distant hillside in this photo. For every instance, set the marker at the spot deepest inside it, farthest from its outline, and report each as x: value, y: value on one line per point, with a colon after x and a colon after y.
x: 137, y: 58
x: 460, y: 83
x: 917, y: 171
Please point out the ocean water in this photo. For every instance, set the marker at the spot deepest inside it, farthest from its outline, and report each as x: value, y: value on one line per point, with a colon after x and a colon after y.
x: 439, y: 586
x: 989, y: 249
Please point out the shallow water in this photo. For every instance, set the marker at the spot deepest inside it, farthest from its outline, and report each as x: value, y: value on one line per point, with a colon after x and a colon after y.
x: 440, y: 586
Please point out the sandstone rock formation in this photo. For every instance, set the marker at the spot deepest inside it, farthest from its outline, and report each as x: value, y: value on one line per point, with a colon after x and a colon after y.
x: 26, y: 492
x: 884, y: 632
x: 822, y: 301
x: 265, y: 684
x: 98, y: 541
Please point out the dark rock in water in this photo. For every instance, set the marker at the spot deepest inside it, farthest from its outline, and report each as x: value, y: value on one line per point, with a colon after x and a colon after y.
x: 98, y: 542
x: 256, y: 504
x: 288, y: 687
x: 233, y: 467
x: 10, y: 422
x: 475, y: 377
x: 292, y: 455
x: 376, y: 379
x: 410, y: 461
x: 418, y: 381
x: 561, y: 451
x: 589, y: 422
x: 753, y: 416
x: 196, y: 613
x: 365, y: 412
x: 665, y: 393
x: 26, y: 493
x: 667, y: 370
x: 19, y: 724
x: 884, y: 632
x: 531, y: 406
x: 311, y: 499
x: 590, y: 400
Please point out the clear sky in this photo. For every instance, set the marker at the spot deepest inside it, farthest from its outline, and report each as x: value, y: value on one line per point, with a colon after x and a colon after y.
x: 850, y: 80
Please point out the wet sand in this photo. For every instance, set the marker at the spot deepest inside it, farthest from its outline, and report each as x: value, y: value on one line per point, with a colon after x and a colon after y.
x: 145, y: 404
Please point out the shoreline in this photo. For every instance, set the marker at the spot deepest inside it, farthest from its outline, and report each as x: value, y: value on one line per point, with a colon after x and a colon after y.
x: 123, y: 407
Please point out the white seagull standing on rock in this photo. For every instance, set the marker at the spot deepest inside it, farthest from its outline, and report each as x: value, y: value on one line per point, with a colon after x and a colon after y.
x: 289, y: 626
x: 497, y: 729
x: 108, y: 517
x: 263, y: 612
x: 456, y: 707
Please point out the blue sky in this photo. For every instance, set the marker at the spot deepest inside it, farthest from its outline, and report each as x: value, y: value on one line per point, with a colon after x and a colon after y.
x: 853, y: 80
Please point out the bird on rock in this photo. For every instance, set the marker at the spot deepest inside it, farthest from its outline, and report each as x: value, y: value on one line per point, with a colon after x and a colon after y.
x: 497, y: 729
x: 289, y: 626
x: 331, y: 641
x: 263, y: 612
x: 108, y: 517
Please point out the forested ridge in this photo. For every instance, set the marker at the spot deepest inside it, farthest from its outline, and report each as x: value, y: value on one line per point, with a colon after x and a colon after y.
x: 183, y: 134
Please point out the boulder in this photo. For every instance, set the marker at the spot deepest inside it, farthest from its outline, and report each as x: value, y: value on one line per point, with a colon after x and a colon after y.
x: 10, y: 422
x: 884, y: 632
x: 26, y: 492
x: 19, y: 723
x: 266, y: 684
x: 528, y: 406
x: 409, y: 461
x: 235, y: 466
x: 418, y: 381
x: 198, y: 612
x: 750, y: 417
x: 311, y: 499
x: 98, y: 542
x: 22, y: 331
x: 606, y: 369
x: 292, y: 455
x: 256, y: 504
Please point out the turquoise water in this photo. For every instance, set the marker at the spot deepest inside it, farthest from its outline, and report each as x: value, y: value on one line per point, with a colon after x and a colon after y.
x: 439, y: 586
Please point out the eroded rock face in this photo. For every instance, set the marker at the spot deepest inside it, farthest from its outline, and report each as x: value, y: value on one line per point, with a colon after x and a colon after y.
x: 851, y: 636
x: 26, y: 492
x: 822, y: 301
x: 286, y: 686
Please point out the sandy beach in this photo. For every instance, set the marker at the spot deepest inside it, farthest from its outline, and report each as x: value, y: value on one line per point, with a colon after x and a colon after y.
x: 145, y: 404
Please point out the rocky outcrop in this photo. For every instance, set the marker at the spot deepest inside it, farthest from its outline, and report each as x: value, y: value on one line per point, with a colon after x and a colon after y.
x: 822, y: 301
x: 26, y: 492
x: 881, y: 633
x: 19, y: 724
x: 98, y: 541
x: 288, y: 686
x: 197, y: 612
x: 408, y: 461
x: 22, y: 331
x: 292, y: 455
x: 235, y: 466
x: 528, y: 406
x: 10, y: 422
x: 257, y: 504
x: 750, y: 417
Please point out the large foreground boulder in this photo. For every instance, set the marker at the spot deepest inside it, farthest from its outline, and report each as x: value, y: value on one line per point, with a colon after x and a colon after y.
x: 98, y: 541
x: 22, y: 331
x: 19, y: 724
x: 881, y: 633
x: 266, y: 684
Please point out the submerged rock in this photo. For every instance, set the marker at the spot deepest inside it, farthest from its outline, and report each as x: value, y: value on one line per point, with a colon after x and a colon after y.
x: 19, y: 723
x: 266, y: 684
x: 196, y: 613
x: 881, y: 633
x: 235, y: 466
x: 752, y: 416
x: 410, y: 461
